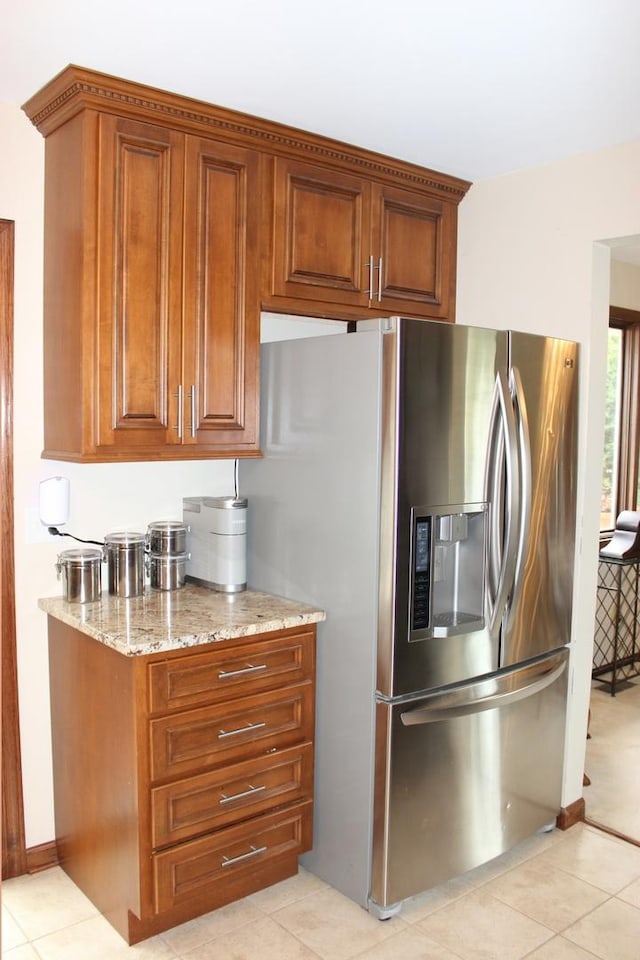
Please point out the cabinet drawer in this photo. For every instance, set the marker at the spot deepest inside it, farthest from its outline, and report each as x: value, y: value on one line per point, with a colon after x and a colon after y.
x: 208, y: 802
x: 182, y: 872
x: 224, y: 733
x: 225, y: 674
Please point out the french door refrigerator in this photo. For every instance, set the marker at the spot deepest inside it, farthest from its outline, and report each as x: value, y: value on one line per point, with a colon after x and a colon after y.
x: 418, y: 482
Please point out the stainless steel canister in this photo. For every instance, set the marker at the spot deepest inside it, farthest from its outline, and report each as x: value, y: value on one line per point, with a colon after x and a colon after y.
x: 81, y: 573
x: 125, y: 563
x: 167, y: 572
x: 167, y: 537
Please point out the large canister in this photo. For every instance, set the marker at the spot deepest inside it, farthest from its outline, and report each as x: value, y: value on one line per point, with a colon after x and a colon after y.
x: 125, y: 563
x: 81, y: 573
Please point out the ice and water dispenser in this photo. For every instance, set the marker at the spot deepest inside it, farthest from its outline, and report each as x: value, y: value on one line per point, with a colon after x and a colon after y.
x: 448, y: 548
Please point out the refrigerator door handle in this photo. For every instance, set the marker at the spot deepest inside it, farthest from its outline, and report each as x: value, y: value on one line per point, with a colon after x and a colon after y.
x: 449, y: 705
x: 524, y: 448
x: 502, y: 549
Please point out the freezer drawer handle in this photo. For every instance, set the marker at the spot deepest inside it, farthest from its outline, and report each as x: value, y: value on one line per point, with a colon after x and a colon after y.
x: 225, y: 674
x: 244, y: 793
x: 494, y: 700
x: 229, y: 861
x: 250, y: 727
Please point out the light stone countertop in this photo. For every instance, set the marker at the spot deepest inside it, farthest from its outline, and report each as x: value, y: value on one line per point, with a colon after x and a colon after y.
x: 162, y: 620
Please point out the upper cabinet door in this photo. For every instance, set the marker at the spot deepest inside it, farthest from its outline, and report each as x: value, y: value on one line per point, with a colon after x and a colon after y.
x: 360, y: 245
x: 321, y: 229
x: 416, y: 239
x: 221, y: 295
x: 140, y: 284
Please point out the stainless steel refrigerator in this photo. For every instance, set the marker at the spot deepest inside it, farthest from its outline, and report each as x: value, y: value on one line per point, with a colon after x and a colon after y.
x: 419, y: 483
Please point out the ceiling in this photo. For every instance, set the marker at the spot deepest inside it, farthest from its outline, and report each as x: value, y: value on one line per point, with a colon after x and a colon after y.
x: 475, y: 89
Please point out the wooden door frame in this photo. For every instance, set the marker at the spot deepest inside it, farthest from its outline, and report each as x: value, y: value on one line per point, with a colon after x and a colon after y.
x: 14, y: 857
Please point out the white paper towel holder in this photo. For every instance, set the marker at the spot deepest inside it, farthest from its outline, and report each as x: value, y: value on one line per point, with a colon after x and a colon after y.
x: 54, y: 501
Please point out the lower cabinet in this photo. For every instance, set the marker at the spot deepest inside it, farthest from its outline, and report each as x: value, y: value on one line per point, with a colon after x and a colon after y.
x: 183, y: 781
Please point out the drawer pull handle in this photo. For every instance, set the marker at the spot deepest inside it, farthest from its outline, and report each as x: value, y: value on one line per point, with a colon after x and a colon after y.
x: 228, y: 861
x: 236, y: 673
x: 248, y: 729
x: 245, y: 793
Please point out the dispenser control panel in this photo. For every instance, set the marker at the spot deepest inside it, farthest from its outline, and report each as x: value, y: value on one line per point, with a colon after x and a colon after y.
x: 420, y: 613
x: 447, y: 570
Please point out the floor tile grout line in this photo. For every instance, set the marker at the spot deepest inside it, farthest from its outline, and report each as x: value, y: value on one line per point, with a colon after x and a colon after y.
x: 18, y: 925
x: 552, y: 933
x: 559, y: 936
x: 266, y: 916
x: 542, y: 853
x: 608, y: 897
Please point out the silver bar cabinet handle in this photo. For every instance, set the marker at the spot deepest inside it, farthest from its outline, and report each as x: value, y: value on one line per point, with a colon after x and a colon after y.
x: 369, y: 264
x: 238, y: 796
x: 250, y: 727
x: 178, y: 396
x: 228, y: 861
x: 193, y: 410
x: 380, y: 280
x: 225, y: 674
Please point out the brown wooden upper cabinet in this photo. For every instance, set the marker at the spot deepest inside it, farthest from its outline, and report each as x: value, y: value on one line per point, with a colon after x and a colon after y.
x: 170, y: 223
x: 151, y: 323
x: 357, y: 243
x: 177, y: 224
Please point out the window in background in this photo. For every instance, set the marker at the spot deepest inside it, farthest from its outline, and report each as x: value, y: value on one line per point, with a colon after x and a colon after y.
x: 609, y: 498
x: 621, y: 461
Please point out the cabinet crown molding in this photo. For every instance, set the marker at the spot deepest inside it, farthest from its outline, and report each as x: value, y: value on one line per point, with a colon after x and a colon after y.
x: 77, y: 88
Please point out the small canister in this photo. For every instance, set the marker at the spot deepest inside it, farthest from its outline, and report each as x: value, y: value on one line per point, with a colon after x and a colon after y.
x: 125, y: 563
x: 167, y: 572
x: 167, y: 537
x: 81, y: 573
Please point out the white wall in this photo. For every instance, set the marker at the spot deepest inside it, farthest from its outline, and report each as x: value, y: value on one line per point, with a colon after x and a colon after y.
x: 625, y: 285
x: 534, y: 256
x: 104, y: 497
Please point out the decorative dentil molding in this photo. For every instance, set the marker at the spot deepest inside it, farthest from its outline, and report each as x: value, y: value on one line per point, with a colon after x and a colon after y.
x: 261, y: 131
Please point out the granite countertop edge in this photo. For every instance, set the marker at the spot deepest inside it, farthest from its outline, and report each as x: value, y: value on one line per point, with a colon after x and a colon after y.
x: 160, y: 621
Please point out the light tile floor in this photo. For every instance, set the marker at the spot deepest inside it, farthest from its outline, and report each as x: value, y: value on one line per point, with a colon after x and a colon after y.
x: 557, y: 896
x: 613, y: 759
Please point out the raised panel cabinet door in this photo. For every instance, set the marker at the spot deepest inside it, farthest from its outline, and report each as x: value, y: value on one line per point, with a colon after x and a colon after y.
x: 221, y: 296
x: 140, y: 283
x: 416, y: 239
x: 321, y: 227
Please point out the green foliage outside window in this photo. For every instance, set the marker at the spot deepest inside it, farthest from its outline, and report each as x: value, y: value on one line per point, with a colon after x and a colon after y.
x: 608, y: 505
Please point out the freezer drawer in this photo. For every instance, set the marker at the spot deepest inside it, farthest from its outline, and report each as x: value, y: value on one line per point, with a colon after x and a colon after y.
x: 464, y: 774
